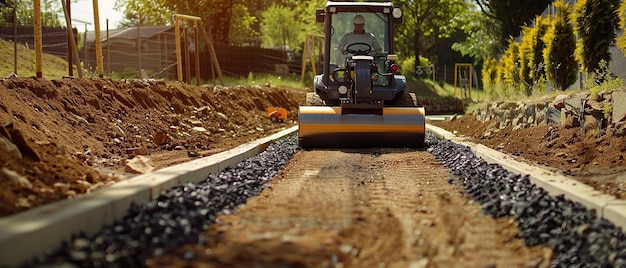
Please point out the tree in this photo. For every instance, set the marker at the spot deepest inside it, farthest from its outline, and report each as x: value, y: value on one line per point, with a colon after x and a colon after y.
x: 241, y: 31
x: 512, y: 15
x: 215, y: 14
x: 50, y: 10
x: 424, y: 22
x: 220, y: 16
x: 531, y: 55
x: 490, y: 75
x: 537, y: 64
x: 510, y: 63
x: 142, y: 12
x: 279, y: 27
x: 596, y: 24
x: 561, y: 65
x: 621, y: 40
x: 482, y: 41
x: 288, y: 23
x: 526, y: 53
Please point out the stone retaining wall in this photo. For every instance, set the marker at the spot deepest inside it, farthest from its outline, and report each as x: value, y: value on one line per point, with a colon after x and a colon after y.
x: 447, y: 105
x: 594, y: 114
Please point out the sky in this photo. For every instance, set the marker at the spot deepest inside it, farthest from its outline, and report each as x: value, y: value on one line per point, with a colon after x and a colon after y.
x: 82, y: 12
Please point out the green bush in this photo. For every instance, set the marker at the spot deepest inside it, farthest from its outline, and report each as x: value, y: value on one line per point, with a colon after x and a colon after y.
x: 489, y: 75
x: 526, y: 53
x: 510, y: 64
x: 621, y: 40
x: 407, y: 66
x: 531, y: 65
x: 596, y: 24
x: 537, y: 63
x: 602, y: 80
x: 561, y: 65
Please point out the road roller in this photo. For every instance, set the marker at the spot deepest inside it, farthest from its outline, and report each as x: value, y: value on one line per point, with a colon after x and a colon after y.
x: 360, y: 100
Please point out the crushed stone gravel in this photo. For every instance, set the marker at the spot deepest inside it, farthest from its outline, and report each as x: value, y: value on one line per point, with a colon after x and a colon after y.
x: 578, y: 238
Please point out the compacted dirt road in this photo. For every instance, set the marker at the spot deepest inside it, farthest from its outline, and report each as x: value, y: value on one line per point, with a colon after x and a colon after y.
x: 366, y: 208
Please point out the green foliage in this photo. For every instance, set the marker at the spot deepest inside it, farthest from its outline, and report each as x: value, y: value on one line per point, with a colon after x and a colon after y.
x: 607, y: 109
x: 424, y: 22
x: 596, y: 25
x: 561, y: 65
x: 536, y: 63
x: 532, y: 71
x: 51, y: 12
x: 482, y: 35
x: 241, y: 31
x: 526, y: 53
x: 305, y: 11
x: 407, y: 66
x: 128, y: 73
x: 55, y: 67
x: 489, y: 71
x: 510, y: 63
x: 144, y: 12
x: 216, y: 15
x: 489, y: 74
x: 621, y: 40
x: 601, y: 79
x: 512, y: 15
x: 425, y: 69
x: 280, y: 28
x: 266, y: 79
x: 232, y: 21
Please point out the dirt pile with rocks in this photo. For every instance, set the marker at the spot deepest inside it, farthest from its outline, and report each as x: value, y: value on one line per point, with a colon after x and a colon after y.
x: 62, y: 138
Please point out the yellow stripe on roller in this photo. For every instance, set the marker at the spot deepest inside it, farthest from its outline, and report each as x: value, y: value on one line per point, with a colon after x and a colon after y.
x: 403, y: 111
x: 337, y: 110
x: 319, y: 110
x: 316, y: 129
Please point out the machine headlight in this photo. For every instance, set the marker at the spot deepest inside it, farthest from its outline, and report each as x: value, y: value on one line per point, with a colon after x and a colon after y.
x: 343, y: 90
x: 396, y: 13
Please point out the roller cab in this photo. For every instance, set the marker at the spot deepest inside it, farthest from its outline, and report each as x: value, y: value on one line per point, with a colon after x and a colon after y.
x: 360, y: 100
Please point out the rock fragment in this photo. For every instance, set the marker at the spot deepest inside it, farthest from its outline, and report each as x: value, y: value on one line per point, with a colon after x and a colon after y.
x: 139, y: 165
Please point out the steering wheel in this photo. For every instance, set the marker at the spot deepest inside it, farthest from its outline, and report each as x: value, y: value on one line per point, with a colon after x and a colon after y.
x: 352, y: 49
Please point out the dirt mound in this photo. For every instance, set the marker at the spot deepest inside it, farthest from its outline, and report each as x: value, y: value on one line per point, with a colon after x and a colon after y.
x: 597, y: 161
x: 54, y: 132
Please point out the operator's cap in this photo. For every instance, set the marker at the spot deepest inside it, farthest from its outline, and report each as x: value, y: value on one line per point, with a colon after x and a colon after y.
x: 358, y: 19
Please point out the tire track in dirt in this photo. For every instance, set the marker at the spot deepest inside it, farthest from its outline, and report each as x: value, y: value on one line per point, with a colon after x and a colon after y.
x: 368, y: 208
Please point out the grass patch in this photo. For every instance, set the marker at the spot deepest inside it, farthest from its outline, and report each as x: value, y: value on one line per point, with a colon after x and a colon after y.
x: 433, y: 89
x: 253, y: 79
x: 53, y: 67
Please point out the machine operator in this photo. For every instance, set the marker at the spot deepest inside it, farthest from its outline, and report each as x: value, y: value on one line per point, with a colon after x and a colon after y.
x: 359, y: 35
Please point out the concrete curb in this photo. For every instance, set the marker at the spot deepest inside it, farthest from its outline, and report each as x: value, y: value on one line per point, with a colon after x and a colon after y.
x: 605, y: 206
x: 41, y: 230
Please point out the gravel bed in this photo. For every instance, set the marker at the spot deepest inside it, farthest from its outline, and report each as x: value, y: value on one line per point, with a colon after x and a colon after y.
x: 577, y: 237
x: 176, y: 217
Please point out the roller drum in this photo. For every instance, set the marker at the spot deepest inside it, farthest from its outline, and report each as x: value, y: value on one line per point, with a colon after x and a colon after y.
x: 327, y: 127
